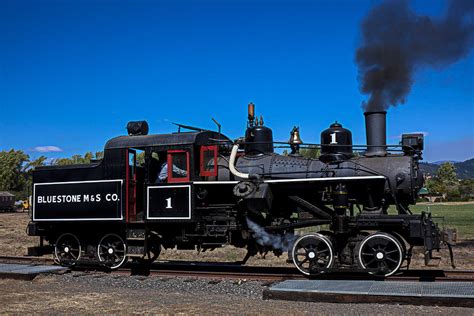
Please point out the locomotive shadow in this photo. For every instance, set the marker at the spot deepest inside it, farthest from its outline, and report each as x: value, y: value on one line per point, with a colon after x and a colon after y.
x: 284, y: 272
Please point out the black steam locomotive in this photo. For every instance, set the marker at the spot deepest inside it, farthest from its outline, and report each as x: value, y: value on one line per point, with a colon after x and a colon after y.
x: 200, y: 190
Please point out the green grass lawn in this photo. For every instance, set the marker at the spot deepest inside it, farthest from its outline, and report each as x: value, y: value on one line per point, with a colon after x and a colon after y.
x: 460, y: 217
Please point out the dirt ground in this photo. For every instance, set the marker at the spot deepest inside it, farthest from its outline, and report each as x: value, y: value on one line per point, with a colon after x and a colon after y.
x: 97, y: 294
x: 14, y: 242
x: 52, y: 295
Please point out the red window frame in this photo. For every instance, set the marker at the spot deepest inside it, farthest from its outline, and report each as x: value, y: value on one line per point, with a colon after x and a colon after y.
x: 170, y: 166
x: 128, y: 212
x: 202, y: 170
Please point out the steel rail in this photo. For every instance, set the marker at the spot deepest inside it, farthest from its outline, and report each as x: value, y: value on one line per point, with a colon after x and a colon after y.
x: 259, y: 273
x: 24, y: 259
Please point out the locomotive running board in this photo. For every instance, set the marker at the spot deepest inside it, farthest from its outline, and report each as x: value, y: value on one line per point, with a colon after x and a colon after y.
x: 326, y: 179
x: 299, y: 180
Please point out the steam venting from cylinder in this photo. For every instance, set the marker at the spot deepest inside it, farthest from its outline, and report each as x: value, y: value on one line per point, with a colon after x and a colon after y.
x: 396, y: 41
x: 263, y: 238
x: 375, y: 127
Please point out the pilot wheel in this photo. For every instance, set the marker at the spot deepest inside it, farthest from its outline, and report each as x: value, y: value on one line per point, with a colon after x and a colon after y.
x: 381, y: 254
x: 67, y: 250
x: 312, y: 254
x: 112, y: 251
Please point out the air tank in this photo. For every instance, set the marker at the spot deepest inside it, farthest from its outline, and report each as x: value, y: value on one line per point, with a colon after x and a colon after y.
x: 336, y: 143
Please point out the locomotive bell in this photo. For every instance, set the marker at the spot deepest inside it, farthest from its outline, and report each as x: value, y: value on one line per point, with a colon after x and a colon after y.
x: 295, y: 138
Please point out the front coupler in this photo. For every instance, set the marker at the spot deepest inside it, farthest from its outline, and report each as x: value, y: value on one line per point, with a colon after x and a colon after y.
x: 434, y: 237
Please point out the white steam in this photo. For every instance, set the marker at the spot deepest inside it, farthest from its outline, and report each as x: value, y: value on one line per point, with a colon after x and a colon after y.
x: 264, y: 238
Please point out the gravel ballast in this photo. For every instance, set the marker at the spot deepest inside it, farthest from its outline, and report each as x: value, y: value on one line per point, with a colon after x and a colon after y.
x: 97, y: 292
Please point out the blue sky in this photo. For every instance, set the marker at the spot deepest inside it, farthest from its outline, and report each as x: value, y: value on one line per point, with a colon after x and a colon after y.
x: 72, y: 73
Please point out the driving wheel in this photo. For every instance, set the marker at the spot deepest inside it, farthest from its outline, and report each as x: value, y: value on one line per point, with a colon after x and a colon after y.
x: 312, y: 253
x: 381, y: 254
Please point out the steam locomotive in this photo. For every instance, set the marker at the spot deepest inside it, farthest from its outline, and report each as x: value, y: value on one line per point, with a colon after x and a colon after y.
x: 198, y: 189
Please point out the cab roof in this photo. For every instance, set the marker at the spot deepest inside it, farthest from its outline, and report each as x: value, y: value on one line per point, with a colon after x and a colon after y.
x: 155, y: 140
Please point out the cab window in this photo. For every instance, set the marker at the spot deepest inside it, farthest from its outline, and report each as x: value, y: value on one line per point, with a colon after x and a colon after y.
x: 178, y: 166
x: 208, y: 161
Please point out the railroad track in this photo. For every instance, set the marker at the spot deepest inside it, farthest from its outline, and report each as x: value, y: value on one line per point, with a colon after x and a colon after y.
x: 215, y: 271
x: 26, y: 260
x: 238, y: 272
x: 284, y: 273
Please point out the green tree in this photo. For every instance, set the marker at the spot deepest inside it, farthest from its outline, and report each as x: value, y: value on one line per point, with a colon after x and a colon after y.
x: 445, y: 182
x: 141, y: 158
x: 11, y: 167
x: 78, y: 159
x: 434, y: 185
x: 16, y: 172
x: 310, y: 152
x: 62, y: 162
x: 88, y: 157
x: 447, y: 174
x: 28, y: 174
x: 466, y: 188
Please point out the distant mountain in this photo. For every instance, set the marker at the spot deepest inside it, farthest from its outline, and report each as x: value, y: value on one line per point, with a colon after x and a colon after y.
x: 429, y: 169
x: 444, y: 161
x: 464, y: 169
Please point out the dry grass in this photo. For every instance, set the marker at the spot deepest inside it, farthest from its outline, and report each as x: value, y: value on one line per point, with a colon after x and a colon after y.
x: 13, y: 238
x: 14, y: 242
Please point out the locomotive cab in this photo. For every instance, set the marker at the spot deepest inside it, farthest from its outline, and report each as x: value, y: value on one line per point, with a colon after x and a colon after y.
x: 169, y: 164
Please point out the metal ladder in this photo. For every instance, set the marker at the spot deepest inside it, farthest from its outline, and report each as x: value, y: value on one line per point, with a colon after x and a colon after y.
x: 136, y: 240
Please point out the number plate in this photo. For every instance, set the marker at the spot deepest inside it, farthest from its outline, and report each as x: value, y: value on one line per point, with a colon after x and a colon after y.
x: 169, y: 202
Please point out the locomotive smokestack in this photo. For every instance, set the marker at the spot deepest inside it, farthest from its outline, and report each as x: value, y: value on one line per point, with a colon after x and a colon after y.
x: 375, y: 127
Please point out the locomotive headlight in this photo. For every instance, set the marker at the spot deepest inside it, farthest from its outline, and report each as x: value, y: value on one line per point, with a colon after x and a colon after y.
x: 412, y: 142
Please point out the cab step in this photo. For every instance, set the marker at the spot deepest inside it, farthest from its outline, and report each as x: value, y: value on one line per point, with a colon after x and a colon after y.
x: 136, y: 239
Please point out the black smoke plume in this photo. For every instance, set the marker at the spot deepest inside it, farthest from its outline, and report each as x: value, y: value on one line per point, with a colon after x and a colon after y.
x: 396, y: 42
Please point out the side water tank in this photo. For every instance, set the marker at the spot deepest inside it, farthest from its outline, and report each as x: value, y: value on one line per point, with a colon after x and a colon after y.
x: 336, y: 144
x: 258, y: 140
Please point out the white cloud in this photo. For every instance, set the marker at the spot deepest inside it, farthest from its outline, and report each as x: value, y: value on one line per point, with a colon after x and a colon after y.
x: 47, y: 149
